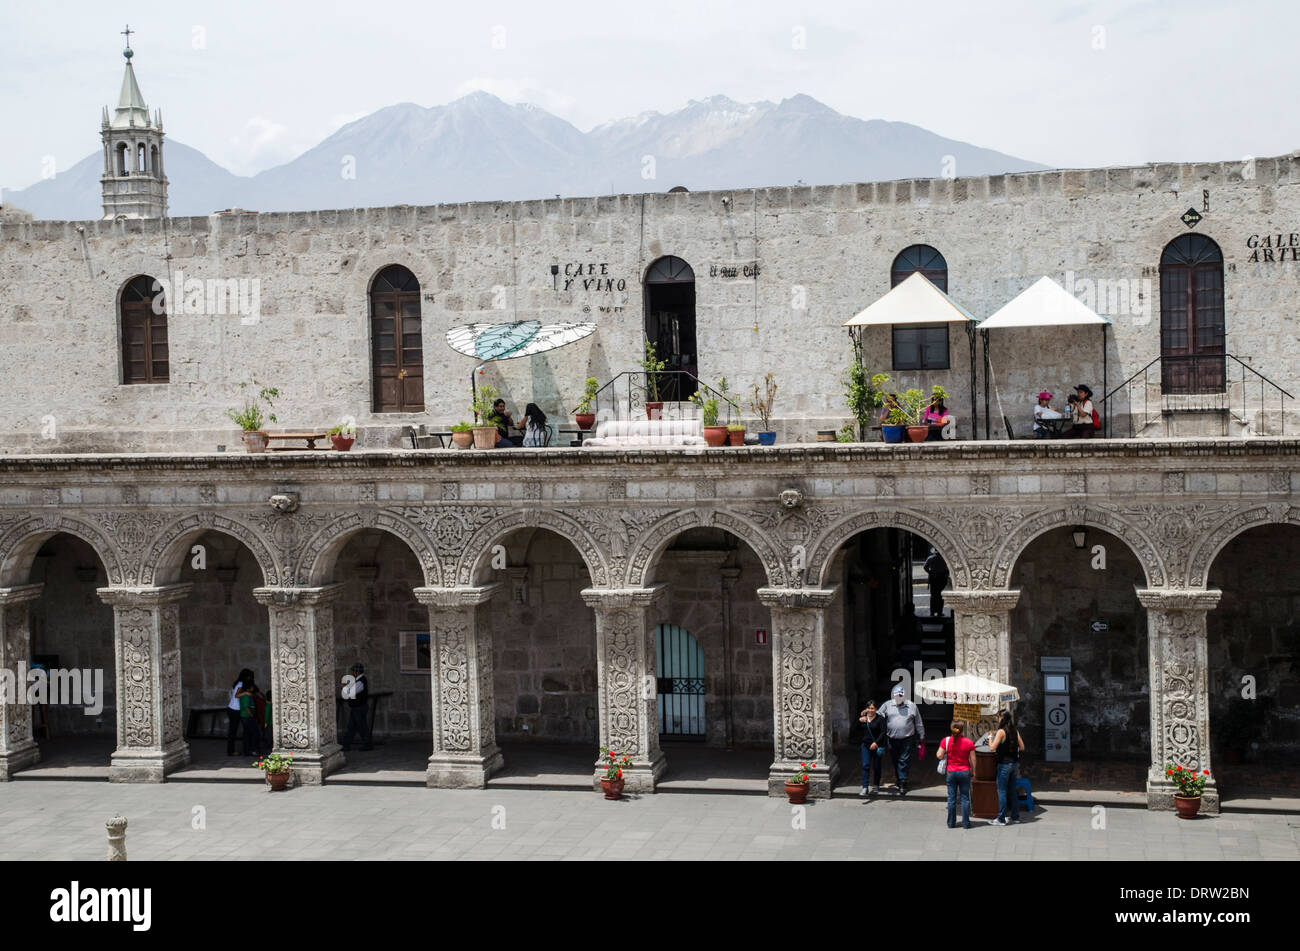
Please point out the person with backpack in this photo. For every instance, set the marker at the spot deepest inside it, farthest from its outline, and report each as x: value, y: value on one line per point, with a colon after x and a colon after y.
x: 955, y: 752
x: 1008, y: 744
x: 232, y: 709
x: 1086, y: 418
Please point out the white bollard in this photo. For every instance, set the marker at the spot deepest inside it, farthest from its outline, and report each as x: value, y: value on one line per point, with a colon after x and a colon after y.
x: 116, y: 839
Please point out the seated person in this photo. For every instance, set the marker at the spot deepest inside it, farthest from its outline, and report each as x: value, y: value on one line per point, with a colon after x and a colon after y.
x: 936, y: 414
x: 533, y: 427
x: 504, y: 422
x: 1044, y: 411
x: 1082, y: 413
x: 892, y: 402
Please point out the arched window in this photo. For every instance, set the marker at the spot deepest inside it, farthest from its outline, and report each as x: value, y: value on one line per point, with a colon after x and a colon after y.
x: 1191, y: 316
x: 396, y: 342
x: 923, y: 258
x: 670, y: 323
x: 139, y: 159
x: 920, y: 347
x: 153, y: 161
x: 143, y: 313
x: 121, y: 159
x: 681, y: 685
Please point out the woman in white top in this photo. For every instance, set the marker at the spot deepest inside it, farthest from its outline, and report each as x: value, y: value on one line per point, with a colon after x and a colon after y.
x: 534, y: 426
x: 1084, y: 423
x: 232, y: 709
x: 1044, y: 411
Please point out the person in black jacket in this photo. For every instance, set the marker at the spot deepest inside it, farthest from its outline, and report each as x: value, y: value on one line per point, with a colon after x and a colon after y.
x: 874, y: 742
x: 357, y: 695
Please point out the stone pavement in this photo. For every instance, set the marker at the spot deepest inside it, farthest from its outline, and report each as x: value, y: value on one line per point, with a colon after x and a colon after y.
x: 65, y: 820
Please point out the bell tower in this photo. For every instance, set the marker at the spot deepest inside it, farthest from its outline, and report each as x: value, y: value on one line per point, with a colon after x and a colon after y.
x: 134, y: 183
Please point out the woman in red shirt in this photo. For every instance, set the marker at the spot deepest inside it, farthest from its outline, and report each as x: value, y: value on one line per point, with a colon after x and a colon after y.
x: 955, y: 750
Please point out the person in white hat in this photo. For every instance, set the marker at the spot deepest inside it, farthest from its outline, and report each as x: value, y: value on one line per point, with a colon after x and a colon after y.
x: 903, y: 725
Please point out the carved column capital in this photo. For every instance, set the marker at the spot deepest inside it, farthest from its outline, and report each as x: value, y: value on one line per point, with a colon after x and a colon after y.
x: 21, y: 593
x: 287, y: 597
x: 145, y: 597
x: 459, y: 597
x: 611, y: 598
x: 793, y: 599
x: 1172, y: 599
x: 990, y: 601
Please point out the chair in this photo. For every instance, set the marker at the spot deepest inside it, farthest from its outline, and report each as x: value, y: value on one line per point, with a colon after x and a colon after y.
x: 1022, y: 783
x: 550, y: 433
x: 1007, y: 422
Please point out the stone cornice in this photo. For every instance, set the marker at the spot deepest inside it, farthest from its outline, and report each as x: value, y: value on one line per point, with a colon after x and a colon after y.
x: 1161, y: 599
x: 20, y: 593
x: 283, y: 597
x: 145, y: 597
x: 796, y: 598
x: 460, y: 597
x: 982, y: 602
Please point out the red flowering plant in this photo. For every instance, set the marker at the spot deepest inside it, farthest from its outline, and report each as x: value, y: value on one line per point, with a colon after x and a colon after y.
x: 613, y: 763
x: 275, y: 763
x: 801, y: 775
x: 1190, y: 782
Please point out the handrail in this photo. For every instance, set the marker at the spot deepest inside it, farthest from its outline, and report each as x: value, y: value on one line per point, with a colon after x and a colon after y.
x: 1223, y: 399
x: 638, y: 389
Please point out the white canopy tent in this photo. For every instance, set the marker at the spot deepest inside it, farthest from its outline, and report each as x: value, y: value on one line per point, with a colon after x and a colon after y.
x: 1044, y: 304
x: 915, y: 300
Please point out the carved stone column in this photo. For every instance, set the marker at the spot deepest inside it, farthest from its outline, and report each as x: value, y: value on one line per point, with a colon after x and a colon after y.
x: 800, y: 688
x: 304, y: 688
x: 147, y: 648
x: 465, y: 751
x: 626, y: 666
x: 1180, y: 696
x: 18, y: 749
x: 982, y: 632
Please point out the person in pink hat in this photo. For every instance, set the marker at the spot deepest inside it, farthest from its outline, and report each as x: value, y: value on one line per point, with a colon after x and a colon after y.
x: 1041, y: 411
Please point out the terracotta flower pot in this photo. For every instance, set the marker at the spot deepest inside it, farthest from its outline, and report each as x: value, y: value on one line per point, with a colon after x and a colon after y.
x: 797, y: 793
x: 918, y: 433
x: 654, y: 410
x: 715, y: 435
x: 585, y: 420
x: 735, y: 437
x: 254, y: 440
x: 279, y: 781
x: 341, y: 442
x: 613, y: 788
x: 485, y: 437
x: 462, y: 440
x: 1187, y: 806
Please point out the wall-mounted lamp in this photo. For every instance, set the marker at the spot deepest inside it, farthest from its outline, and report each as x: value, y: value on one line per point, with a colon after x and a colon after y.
x: 555, y: 276
x: 1080, y: 536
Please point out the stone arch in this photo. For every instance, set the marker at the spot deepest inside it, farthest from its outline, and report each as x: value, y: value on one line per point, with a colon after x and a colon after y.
x: 19, y: 545
x: 469, y: 567
x: 315, y: 562
x: 1213, y: 541
x: 645, y: 551
x: 821, y: 552
x: 1009, y: 552
x: 369, y: 265
x: 162, y: 560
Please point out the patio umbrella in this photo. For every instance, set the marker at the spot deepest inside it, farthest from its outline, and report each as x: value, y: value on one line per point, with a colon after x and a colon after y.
x: 968, y: 690
x: 518, y: 338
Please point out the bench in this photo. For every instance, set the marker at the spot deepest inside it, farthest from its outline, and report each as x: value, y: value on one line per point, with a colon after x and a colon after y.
x: 310, y: 437
x: 646, y: 432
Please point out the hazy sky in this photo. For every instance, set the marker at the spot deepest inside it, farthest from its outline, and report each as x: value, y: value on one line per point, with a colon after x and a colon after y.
x: 252, y: 84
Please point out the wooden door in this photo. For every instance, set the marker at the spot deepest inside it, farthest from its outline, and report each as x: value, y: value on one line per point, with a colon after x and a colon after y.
x: 1192, y: 344
x: 397, y: 342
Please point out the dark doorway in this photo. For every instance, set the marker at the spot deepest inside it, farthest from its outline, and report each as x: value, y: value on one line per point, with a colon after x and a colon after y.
x: 681, y: 684
x: 396, y: 342
x: 1191, y: 316
x: 670, y: 323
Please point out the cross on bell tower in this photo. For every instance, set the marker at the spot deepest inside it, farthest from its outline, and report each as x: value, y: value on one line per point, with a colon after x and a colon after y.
x: 134, y: 185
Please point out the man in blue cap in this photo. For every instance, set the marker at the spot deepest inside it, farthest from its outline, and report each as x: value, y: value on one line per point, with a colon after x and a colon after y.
x: 902, y: 725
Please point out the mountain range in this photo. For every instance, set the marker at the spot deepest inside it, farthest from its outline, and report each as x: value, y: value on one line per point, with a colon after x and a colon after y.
x: 479, y: 148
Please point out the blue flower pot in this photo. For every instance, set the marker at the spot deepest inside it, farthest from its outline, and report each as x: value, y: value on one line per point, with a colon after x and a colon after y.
x: 893, y: 433
x: 767, y: 439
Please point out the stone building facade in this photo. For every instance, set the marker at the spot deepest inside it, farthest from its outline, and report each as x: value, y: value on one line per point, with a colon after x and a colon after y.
x: 287, y: 299
x: 626, y: 539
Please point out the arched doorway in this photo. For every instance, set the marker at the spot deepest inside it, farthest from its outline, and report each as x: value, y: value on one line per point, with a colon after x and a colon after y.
x: 1191, y: 316
x: 670, y: 323
x: 681, y: 684
x: 396, y: 342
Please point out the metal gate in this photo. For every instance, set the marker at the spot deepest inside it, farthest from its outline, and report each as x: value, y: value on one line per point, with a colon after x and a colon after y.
x: 681, y: 683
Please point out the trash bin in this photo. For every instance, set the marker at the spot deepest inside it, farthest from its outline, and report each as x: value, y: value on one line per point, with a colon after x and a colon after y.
x: 984, y: 784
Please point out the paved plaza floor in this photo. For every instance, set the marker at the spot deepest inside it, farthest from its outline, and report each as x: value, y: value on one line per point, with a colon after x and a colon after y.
x: 57, y: 819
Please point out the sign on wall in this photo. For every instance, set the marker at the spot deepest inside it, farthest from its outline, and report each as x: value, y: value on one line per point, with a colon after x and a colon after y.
x: 1271, y: 248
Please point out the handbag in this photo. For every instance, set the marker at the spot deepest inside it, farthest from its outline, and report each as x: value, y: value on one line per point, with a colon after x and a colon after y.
x: 942, y: 767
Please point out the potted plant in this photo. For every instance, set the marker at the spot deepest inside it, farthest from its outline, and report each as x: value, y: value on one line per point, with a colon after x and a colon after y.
x: 845, y: 434
x: 612, y: 782
x: 762, y: 407
x: 485, y: 432
x: 652, y: 366
x: 278, y: 768
x: 250, y: 419
x: 909, y: 411
x: 342, y: 436
x: 461, y: 436
x: 583, y: 415
x: 735, y: 434
x: 796, y: 787
x: 865, y: 396
x: 1190, y: 783
x: 714, y: 434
